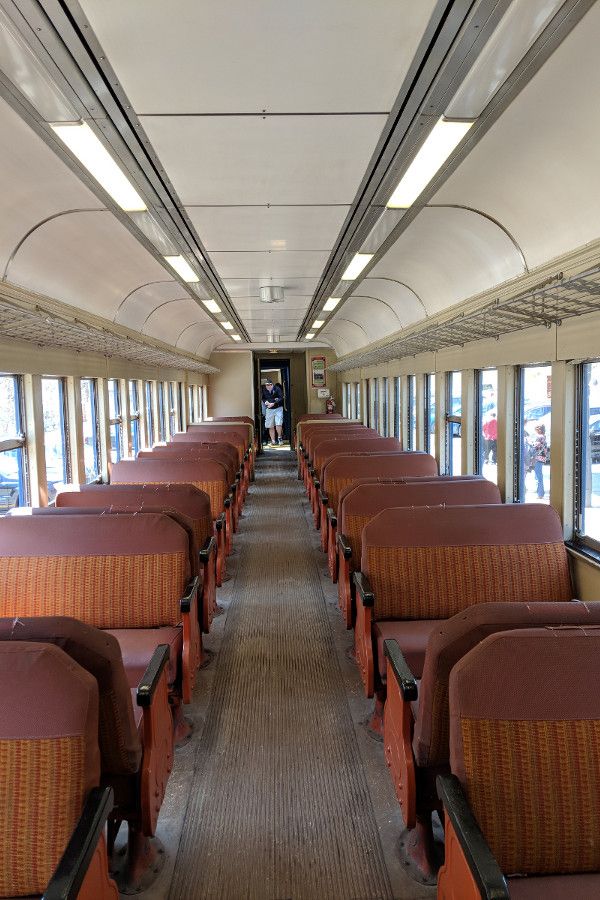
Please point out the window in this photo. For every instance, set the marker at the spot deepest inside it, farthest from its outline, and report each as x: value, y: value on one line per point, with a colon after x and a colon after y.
x: 587, y: 499
x: 534, y: 405
x: 192, y: 402
x: 397, y: 406
x: 162, y: 433
x: 411, y: 413
x: 454, y: 423
x: 357, y: 401
x: 149, y: 414
x: 172, y: 408
x: 55, y: 434
x: 375, y: 400
x: 486, y: 427
x: 91, y: 434
x: 13, y: 481
x: 116, y: 422
x: 203, y: 402
x: 368, y: 402
x: 180, y: 405
x: 384, y: 407
x: 430, y: 413
x: 134, y: 416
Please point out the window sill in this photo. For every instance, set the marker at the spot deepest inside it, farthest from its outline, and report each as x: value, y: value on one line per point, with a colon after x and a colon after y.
x: 583, y: 551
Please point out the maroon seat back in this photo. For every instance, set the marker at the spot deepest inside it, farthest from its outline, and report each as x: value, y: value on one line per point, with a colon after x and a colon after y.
x: 433, y: 562
x: 344, y: 469
x: 99, y: 653
x: 365, y: 502
x: 316, y: 434
x: 49, y: 760
x: 207, y: 476
x: 524, y: 727
x: 372, y: 443
x: 452, y: 639
x: 393, y: 479
x: 196, y: 453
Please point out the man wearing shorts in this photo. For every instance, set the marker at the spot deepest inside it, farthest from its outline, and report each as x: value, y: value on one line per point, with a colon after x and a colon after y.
x: 272, y: 397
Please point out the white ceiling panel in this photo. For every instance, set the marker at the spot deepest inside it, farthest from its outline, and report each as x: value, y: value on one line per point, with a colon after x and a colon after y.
x: 135, y: 308
x: 88, y: 260
x: 258, y: 160
x: 249, y: 287
x: 278, y: 264
x: 167, y: 321
x: 278, y: 55
x: 536, y: 170
x: 34, y: 183
x: 267, y: 227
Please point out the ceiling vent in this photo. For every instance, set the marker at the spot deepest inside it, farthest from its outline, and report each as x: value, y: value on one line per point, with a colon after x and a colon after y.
x: 271, y: 294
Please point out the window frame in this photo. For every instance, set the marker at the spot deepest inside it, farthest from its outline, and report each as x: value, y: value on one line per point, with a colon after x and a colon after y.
x: 134, y: 414
x: 64, y: 426
x: 385, y: 405
x: 115, y: 421
x: 428, y: 394
x: 580, y: 538
x: 19, y: 442
x: 411, y: 412
x: 96, y: 427
x: 452, y: 419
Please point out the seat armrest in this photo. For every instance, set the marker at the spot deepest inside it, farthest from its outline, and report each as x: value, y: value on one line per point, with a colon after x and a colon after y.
x: 232, y: 489
x: 209, y: 546
x: 316, y: 483
x: 402, y: 673
x: 363, y: 587
x: 332, y: 516
x: 324, y: 498
x: 344, y: 545
x: 227, y: 502
x: 75, y: 861
x: 151, y: 677
x: 190, y: 593
x: 220, y: 521
x: 478, y: 856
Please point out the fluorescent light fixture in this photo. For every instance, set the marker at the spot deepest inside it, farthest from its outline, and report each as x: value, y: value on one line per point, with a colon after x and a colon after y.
x: 91, y: 153
x: 212, y: 306
x: 331, y: 304
x: 236, y: 337
x: 442, y: 140
x: 227, y: 326
x: 356, y: 266
x: 310, y: 336
x: 519, y: 28
x: 318, y: 323
x: 183, y: 268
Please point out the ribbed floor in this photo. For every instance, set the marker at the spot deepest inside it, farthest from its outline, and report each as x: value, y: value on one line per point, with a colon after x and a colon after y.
x: 278, y: 803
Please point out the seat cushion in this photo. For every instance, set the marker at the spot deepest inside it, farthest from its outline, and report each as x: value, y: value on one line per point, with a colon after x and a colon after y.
x: 555, y: 887
x: 412, y: 637
x: 138, y: 645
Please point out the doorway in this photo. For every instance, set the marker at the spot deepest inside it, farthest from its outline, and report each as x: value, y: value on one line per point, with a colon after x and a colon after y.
x: 278, y: 371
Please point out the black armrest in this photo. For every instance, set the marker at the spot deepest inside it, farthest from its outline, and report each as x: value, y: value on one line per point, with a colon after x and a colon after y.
x: 233, y: 488
x: 405, y: 678
x: 324, y: 498
x: 191, y: 590
x: 316, y: 483
x: 150, y: 678
x: 206, y: 549
x: 364, y: 589
x: 74, y: 863
x: 220, y: 521
x: 332, y: 516
x: 479, y: 857
x: 246, y: 455
x: 344, y: 545
x: 311, y: 471
x: 227, y: 502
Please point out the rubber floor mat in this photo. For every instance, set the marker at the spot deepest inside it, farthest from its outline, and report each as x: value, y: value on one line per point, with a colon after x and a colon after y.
x: 278, y: 805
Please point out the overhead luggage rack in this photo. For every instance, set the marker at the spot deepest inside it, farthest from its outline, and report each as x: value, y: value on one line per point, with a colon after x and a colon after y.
x: 547, y: 304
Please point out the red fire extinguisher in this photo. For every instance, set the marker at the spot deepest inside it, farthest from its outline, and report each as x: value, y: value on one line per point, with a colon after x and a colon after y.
x: 330, y: 406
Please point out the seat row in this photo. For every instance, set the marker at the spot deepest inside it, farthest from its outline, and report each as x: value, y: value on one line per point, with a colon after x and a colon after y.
x: 104, y: 599
x: 439, y: 580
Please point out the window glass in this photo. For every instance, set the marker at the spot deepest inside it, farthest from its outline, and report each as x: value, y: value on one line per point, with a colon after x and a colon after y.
x: 533, y: 415
x: 454, y: 414
x: 357, y: 401
x: 55, y: 435
x: 430, y: 413
x: 12, y: 462
x: 368, y: 402
x: 172, y: 408
x: 149, y: 414
x: 487, y: 424
x: 180, y: 406
x: 134, y: 416
x: 589, y: 462
x: 375, y: 395
x: 192, y: 403
x: 160, y: 387
x: 91, y: 438
x: 411, y: 413
x: 397, y: 406
x: 384, y: 407
x: 114, y: 412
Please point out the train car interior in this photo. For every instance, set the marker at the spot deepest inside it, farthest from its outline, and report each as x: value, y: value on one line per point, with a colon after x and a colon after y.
x: 299, y: 449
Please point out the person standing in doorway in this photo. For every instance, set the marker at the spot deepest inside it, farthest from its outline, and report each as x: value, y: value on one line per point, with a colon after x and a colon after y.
x: 272, y: 397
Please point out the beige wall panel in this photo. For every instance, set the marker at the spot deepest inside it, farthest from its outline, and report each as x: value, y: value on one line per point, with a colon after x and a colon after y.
x: 231, y: 392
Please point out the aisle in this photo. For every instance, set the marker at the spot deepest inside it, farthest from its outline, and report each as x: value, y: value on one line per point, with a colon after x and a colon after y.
x: 278, y: 800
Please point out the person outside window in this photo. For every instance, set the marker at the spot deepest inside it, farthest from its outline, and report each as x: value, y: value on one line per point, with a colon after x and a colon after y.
x: 490, y: 434
x: 540, y: 455
x: 272, y: 397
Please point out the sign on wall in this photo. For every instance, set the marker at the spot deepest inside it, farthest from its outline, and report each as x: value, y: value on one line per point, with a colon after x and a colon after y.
x: 319, y: 377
